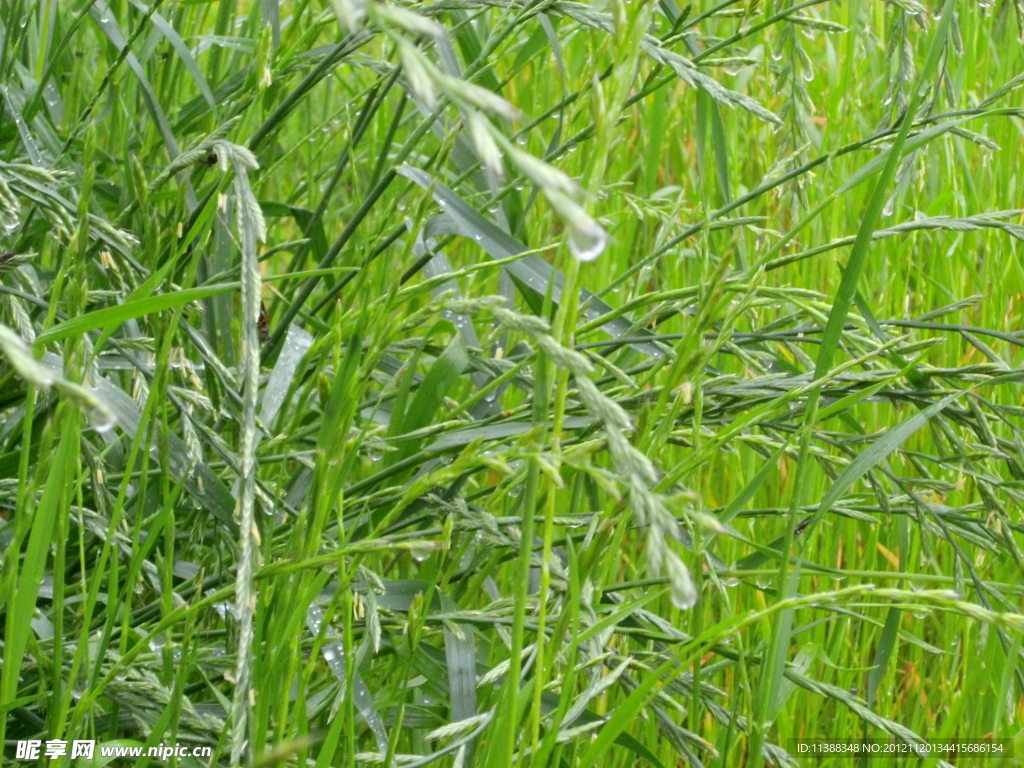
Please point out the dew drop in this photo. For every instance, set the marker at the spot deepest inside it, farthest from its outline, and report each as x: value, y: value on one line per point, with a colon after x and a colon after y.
x: 106, y: 424
x: 587, y: 240
x: 419, y: 554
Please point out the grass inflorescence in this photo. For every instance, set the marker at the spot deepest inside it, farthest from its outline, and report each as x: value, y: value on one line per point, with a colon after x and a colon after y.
x: 496, y: 383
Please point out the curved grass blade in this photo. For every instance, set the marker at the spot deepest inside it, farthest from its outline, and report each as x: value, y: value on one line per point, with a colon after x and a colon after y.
x: 461, y: 219
x: 183, y: 52
x: 114, y: 316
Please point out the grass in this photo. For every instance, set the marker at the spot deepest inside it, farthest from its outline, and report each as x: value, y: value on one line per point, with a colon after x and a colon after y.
x: 486, y: 384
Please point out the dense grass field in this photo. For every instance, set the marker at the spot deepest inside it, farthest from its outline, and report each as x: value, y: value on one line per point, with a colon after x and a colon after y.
x: 490, y: 383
